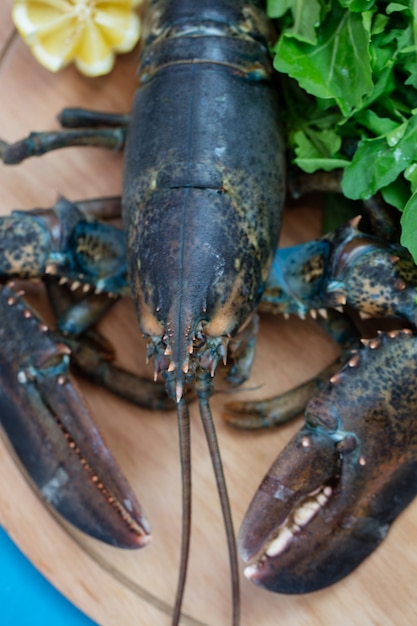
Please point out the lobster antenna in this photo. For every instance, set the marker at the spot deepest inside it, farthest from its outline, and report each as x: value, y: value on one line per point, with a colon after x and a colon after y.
x: 211, y: 438
x: 185, y: 456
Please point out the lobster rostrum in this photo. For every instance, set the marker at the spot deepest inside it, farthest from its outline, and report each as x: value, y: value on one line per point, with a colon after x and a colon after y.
x: 213, y: 209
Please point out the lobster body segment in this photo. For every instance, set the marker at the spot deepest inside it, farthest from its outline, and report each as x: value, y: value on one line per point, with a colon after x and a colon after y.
x: 202, y: 213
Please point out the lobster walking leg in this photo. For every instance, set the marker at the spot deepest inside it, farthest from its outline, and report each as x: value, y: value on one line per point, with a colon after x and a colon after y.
x: 38, y: 144
x: 93, y: 356
x: 88, y: 128
x: 107, y: 208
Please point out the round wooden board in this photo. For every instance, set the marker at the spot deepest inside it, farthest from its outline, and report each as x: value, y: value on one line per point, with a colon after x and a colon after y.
x: 118, y: 588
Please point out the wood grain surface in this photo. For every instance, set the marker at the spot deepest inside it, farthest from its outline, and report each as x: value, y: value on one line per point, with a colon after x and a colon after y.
x: 118, y: 588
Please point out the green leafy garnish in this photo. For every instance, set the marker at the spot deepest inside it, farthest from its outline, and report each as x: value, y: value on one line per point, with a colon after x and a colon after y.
x: 352, y: 95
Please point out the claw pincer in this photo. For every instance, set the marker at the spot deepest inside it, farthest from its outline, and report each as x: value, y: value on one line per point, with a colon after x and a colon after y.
x: 41, y: 409
x: 331, y: 495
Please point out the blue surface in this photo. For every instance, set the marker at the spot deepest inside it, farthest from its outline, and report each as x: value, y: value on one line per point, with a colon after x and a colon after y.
x: 27, y: 598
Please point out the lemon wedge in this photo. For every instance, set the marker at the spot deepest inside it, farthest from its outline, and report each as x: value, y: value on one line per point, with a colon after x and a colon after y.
x: 87, y: 32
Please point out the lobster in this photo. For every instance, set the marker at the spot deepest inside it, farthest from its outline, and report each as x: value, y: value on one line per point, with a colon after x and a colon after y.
x: 175, y: 387
x: 188, y: 320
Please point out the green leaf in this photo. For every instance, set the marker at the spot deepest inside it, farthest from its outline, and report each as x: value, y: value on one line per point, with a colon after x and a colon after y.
x: 317, y: 150
x: 396, y: 6
x: 357, y: 5
x: 379, y: 24
x: 409, y: 226
x: 314, y: 165
x: 397, y: 193
x: 305, y: 17
x: 337, y: 66
x: 396, y: 134
x: 316, y: 143
x: 410, y: 174
x: 375, y: 123
x: 277, y: 8
x: 376, y: 164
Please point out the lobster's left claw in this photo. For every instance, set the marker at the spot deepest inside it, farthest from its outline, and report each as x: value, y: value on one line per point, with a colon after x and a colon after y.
x: 53, y: 433
x: 332, y: 494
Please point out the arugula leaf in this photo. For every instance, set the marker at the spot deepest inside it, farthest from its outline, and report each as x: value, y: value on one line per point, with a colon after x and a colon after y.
x: 378, y: 162
x: 350, y: 88
x: 336, y: 65
x: 409, y: 224
x: 305, y: 15
x: 314, y: 149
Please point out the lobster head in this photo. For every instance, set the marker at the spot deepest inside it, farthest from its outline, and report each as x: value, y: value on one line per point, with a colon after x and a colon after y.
x: 196, y: 277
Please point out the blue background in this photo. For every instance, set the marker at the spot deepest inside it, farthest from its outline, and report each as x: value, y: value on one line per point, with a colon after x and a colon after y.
x: 27, y: 598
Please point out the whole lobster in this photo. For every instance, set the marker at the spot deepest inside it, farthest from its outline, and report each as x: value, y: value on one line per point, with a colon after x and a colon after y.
x: 201, y: 200
x: 176, y: 388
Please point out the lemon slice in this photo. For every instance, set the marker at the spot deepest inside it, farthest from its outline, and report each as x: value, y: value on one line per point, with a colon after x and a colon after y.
x: 87, y: 32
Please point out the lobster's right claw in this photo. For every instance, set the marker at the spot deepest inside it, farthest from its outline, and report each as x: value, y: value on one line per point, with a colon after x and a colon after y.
x: 272, y: 537
x: 332, y: 494
x: 53, y: 433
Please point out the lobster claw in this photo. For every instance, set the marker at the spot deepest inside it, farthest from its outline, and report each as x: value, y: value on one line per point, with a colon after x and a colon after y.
x: 330, y: 497
x: 53, y: 433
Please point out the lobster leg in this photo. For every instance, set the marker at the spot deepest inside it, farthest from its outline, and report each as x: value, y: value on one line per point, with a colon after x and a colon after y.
x: 86, y: 118
x: 381, y: 217
x: 79, y: 316
x: 278, y: 409
x: 37, y: 144
x: 93, y: 356
x: 241, y: 351
x: 87, y: 128
x: 106, y: 208
x: 135, y: 389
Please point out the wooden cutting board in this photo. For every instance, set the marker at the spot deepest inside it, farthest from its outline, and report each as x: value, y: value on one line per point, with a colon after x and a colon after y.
x: 119, y: 588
